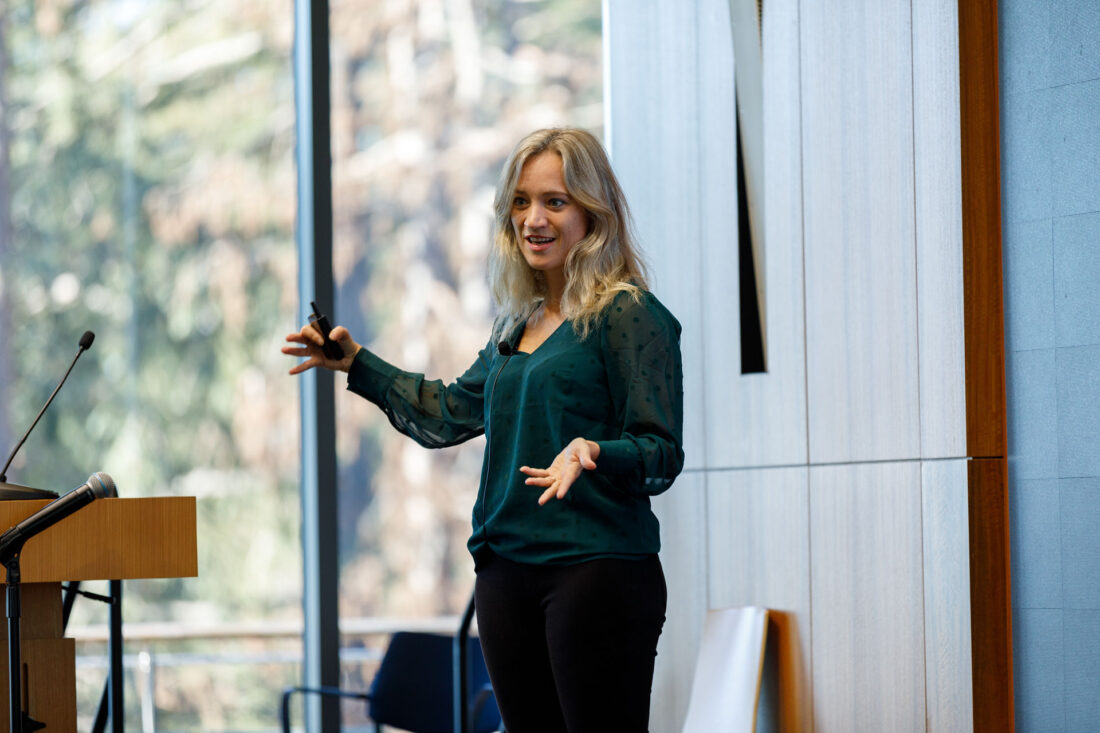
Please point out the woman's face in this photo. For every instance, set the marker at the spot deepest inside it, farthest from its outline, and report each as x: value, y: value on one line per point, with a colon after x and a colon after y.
x: 546, y: 220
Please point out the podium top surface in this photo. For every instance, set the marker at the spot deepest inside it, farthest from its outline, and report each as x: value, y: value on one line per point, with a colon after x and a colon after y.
x: 110, y: 539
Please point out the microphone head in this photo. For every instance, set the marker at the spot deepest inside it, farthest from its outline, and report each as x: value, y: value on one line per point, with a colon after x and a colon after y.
x: 86, y: 342
x: 102, y: 485
x: 504, y: 348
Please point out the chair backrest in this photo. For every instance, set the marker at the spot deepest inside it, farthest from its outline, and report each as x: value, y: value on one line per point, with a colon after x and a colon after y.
x: 413, y: 688
x: 728, y: 670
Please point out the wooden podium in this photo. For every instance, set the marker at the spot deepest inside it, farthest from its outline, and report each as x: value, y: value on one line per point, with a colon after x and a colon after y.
x: 110, y: 539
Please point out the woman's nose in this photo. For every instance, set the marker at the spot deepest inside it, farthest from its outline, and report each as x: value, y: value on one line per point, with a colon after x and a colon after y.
x: 536, y: 216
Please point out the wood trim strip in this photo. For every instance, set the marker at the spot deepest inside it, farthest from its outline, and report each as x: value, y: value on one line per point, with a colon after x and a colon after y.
x: 990, y: 594
x: 983, y: 298
x: 986, y: 406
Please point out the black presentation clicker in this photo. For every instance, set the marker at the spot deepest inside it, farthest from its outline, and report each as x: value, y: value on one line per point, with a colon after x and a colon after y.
x: 319, y: 321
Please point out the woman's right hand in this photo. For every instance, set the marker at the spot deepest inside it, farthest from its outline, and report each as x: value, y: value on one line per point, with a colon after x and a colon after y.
x: 311, y: 342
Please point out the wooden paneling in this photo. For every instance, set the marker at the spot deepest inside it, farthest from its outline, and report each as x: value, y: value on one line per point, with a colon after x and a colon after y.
x: 773, y: 403
x: 868, y: 645
x: 759, y: 555
x: 48, y: 661
x: 52, y: 694
x: 857, y: 143
x: 938, y: 206
x: 986, y: 429
x: 990, y: 595
x: 947, y: 660
x: 652, y: 136
x: 110, y: 538
x: 682, y: 512
x: 45, y: 600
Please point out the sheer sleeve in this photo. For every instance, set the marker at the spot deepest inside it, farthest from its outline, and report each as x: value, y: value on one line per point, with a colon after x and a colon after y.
x: 641, y: 346
x: 428, y: 411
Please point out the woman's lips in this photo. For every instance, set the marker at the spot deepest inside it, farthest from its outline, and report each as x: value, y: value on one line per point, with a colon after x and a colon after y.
x: 538, y: 244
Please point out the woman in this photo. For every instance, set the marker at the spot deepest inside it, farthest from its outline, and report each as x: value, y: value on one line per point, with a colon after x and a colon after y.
x: 579, y: 394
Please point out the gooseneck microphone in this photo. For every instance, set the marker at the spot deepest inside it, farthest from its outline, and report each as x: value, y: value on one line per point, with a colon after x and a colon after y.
x: 85, y: 344
x: 98, y: 486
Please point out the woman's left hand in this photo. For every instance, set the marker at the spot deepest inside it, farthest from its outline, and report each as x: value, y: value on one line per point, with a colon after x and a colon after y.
x: 579, y: 455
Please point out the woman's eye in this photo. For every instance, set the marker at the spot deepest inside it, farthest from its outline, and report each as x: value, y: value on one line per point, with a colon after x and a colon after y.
x: 557, y: 203
x: 519, y: 202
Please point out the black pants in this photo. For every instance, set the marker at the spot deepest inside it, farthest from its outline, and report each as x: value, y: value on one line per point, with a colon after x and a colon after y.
x: 571, y: 648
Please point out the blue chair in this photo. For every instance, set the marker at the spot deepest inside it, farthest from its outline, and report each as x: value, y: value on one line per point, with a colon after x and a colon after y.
x: 415, y: 687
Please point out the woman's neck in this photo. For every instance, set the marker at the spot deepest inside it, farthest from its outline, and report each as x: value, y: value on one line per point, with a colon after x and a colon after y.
x: 551, y: 306
x: 555, y: 288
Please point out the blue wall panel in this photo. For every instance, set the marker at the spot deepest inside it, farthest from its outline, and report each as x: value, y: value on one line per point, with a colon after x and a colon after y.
x: 1025, y: 147
x: 1032, y: 414
x: 1078, y: 375
x: 1080, y: 500
x: 1050, y: 172
x: 1039, y: 673
x: 1029, y: 276
x: 1036, y: 549
x: 1024, y: 45
x: 1076, y: 279
x: 1074, y: 56
x: 1075, y: 146
x: 1082, y: 669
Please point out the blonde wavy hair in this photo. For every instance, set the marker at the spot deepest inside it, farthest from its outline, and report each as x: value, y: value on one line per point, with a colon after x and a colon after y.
x: 604, y: 263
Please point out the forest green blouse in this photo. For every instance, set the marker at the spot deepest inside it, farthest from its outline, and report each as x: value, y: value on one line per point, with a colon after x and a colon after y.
x: 622, y: 387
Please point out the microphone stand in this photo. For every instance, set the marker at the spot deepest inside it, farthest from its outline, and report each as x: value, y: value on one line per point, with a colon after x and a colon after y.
x: 19, y: 720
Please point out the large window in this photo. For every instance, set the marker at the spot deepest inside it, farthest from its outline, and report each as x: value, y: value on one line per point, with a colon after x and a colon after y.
x: 428, y: 99
x: 148, y: 194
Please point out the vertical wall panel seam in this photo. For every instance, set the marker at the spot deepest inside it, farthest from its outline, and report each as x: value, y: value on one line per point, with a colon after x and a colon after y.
x: 1065, y: 714
x: 916, y: 223
x: 706, y: 540
x: 699, y: 185
x: 802, y: 231
x: 1054, y: 349
x: 805, y: 371
x: 702, y: 317
x: 923, y: 591
x: 1061, y: 573
x: 917, y: 331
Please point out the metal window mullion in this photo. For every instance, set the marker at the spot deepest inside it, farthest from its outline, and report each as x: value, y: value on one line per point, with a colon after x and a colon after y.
x: 321, y: 663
